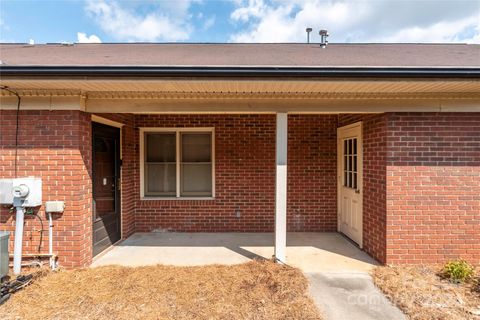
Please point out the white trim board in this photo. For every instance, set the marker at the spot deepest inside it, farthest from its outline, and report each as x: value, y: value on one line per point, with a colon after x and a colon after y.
x: 107, y: 122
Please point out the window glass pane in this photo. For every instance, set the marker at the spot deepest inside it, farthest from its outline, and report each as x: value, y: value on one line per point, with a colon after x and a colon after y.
x: 355, y: 163
x: 355, y: 181
x: 196, y: 147
x: 160, y: 179
x: 350, y: 165
x: 345, y: 175
x: 195, y: 164
x: 345, y: 161
x: 349, y: 146
x: 196, y: 179
x: 350, y: 180
x: 160, y: 147
x: 354, y: 146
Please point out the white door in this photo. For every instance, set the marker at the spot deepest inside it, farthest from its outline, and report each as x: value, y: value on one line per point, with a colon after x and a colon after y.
x: 350, y: 171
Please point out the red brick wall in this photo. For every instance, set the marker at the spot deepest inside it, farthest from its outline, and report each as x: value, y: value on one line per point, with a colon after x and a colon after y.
x: 245, y: 177
x: 421, y: 186
x: 374, y: 181
x: 55, y: 146
x: 433, y: 187
x: 312, y: 171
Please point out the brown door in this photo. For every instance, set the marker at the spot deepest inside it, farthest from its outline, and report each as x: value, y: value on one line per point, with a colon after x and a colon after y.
x: 106, y: 195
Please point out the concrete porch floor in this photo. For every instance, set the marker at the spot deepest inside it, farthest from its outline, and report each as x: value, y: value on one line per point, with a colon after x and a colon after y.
x: 311, y: 252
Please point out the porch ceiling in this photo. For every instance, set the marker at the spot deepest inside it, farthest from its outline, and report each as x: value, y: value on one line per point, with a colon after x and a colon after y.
x: 96, y: 87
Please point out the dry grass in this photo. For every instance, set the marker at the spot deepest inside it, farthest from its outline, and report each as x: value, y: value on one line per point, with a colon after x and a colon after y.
x: 422, y: 294
x: 254, y: 290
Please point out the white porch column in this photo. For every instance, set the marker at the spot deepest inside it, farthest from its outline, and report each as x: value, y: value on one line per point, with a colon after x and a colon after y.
x: 281, y: 188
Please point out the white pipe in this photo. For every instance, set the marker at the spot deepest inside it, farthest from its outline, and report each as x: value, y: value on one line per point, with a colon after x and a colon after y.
x: 17, y: 249
x: 50, y: 241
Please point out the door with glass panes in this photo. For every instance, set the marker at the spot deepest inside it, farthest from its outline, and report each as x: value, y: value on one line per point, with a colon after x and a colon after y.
x: 350, y: 171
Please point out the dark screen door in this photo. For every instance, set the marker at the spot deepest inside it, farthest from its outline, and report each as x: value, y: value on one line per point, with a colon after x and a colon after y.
x: 106, y: 179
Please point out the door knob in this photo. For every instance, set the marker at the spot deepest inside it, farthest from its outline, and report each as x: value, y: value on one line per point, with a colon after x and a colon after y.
x: 357, y: 190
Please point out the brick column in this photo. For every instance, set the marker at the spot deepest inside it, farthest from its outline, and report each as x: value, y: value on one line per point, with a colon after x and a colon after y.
x: 55, y: 146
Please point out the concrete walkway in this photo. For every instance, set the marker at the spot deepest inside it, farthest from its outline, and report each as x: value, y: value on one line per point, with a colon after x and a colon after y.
x: 338, y: 271
x: 350, y: 295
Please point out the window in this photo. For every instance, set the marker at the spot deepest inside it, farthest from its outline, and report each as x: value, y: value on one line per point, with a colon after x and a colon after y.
x: 350, y: 157
x: 177, y: 162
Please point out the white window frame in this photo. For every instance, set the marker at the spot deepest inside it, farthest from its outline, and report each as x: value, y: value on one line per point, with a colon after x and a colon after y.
x: 177, y: 132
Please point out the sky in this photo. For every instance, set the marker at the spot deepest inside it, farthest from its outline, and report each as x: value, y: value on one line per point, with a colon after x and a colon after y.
x: 441, y: 21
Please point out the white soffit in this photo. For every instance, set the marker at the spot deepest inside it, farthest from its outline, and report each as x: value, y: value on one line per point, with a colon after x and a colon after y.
x: 248, y: 86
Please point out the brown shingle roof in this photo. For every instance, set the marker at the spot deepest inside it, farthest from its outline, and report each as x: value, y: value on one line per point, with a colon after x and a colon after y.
x: 335, y: 55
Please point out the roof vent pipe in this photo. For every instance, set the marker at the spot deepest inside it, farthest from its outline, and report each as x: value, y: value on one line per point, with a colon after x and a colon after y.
x: 308, y: 34
x: 323, y: 38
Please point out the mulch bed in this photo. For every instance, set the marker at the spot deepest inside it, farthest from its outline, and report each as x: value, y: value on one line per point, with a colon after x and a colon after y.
x: 422, y: 294
x: 254, y: 290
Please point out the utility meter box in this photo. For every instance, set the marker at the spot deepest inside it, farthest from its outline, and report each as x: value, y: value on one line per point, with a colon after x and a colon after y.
x: 27, y: 191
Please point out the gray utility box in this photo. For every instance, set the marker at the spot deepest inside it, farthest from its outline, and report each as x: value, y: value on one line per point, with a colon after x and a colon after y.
x: 4, y: 259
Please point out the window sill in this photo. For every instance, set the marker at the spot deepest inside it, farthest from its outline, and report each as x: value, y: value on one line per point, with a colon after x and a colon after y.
x: 175, y: 198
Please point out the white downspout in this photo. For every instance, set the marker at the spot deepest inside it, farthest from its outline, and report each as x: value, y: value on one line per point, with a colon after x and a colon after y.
x: 50, y: 241
x: 17, y: 250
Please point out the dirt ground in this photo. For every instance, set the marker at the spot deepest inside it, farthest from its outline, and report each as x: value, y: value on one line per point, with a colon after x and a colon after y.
x: 254, y: 290
x: 423, y: 295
